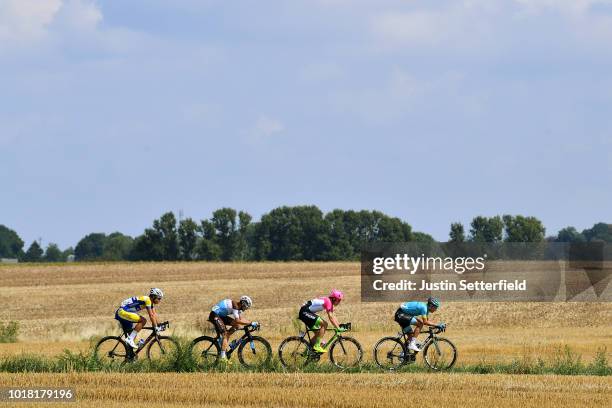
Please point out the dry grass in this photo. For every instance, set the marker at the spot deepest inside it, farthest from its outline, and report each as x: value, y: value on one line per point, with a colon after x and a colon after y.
x: 324, y: 390
x: 66, y: 304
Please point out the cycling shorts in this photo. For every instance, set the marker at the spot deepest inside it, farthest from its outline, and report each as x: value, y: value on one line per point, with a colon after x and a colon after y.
x: 310, y: 319
x: 220, y: 323
x: 127, y: 319
x: 404, y: 320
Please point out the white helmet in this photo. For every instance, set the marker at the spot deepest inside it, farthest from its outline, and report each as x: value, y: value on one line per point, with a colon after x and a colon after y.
x: 246, y: 301
x: 157, y: 292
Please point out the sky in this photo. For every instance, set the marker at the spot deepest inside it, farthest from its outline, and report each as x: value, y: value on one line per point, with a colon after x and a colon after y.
x: 114, y: 112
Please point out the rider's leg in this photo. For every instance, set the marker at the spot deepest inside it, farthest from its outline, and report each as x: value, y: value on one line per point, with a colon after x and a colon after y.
x: 417, y: 329
x: 140, y: 324
x: 318, y: 334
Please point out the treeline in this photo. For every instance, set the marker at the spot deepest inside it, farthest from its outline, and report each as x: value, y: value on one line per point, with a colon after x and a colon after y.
x: 284, y: 234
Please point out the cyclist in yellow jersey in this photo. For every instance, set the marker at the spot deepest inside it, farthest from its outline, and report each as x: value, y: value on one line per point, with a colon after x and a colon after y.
x: 127, y: 316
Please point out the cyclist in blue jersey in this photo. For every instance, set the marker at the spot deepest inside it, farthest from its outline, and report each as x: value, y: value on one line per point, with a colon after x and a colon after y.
x: 229, y: 313
x: 416, y: 314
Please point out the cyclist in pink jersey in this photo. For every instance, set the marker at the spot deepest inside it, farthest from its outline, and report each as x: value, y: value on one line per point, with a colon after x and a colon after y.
x: 308, y: 315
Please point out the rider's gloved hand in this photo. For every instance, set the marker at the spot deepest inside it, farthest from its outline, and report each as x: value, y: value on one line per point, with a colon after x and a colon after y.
x: 441, y: 326
x: 160, y: 328
x: 341, y: 329
x: 255, y: 324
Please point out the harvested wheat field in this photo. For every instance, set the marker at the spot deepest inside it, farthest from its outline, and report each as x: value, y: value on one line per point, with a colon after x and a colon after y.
x: 67, y: 305
x: 324, y: 390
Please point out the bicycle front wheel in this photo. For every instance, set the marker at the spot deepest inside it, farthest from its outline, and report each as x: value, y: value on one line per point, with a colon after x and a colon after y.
x: 205, y: 352
x: 440, y: 354
x: 389, y: 353
x: 256, y: 352
x: 294, y: 352
x: 346, y: 352
x: 163, y: 348
x: 111, y: 351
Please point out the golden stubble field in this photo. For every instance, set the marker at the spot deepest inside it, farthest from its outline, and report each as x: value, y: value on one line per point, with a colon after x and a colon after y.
x: 324, y: 390
x: 63, y: 306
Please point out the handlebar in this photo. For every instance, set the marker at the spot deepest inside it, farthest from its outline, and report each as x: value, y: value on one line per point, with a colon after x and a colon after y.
x: 345, y: 326
x: 164, y: 325
x: 250, y: 328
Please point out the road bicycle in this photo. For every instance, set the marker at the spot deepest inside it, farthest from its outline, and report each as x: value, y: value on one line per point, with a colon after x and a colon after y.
x: 253, y: 351
x: 297, y: 352
x: 439, y: 353
x: 114, y: 349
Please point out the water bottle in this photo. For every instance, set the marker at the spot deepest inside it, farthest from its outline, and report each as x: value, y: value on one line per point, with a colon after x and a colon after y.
x: 233, y: 344
x: 140, y: 343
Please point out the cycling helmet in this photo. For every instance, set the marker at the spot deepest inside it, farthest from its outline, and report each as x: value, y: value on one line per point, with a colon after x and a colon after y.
x: 156, y: 292
x: 336, y: 294
x: 246, y: 301
x: 435, y: 302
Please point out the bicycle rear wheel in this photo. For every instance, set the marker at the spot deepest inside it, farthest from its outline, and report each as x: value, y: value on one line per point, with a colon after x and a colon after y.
x: 111, y: 350
x: 440, y: 354
x: 163, y: 348
x: 346, y: 352
x: 205, y: 352
x: 255, y: 353
x: 389, y: 353
x: 294, y: 352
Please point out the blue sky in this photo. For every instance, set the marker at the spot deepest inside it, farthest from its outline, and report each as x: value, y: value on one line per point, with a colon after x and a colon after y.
x: 113, y: 112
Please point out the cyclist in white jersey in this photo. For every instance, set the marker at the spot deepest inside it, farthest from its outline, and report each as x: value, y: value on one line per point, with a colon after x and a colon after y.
x: 229, y: 313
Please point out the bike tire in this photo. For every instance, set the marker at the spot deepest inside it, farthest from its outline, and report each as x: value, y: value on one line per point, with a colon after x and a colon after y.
x: 349, y: 358
x: 248, y: 348
x: 163, y: 347
x: 112, y: 350
x: 205, y: 352
x: 448, y: 360
x: 294, y: 352
x: 390, y: 353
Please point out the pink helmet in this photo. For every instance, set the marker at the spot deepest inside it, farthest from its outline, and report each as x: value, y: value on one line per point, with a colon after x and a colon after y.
x: 336, y: 294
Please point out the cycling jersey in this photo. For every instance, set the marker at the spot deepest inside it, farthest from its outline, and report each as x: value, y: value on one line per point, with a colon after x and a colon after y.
x: 318, y: 304
x: 224, y: 309
x: 134, y: 304
x: 416, y: 309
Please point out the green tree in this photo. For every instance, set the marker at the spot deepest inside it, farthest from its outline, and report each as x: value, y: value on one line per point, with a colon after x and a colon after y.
x: 570, y: 234
x: 90, y: 247
x: 34, y: 253
x: 457, y: 232
x: 244, y: 234
x: 67, y: 252
x: 599, y: 232
x: 188, y: 236
x: 167, y: 232
x: 485, y: 229
x: 11, y: 245
x: 523, y: 229
x: 422, y: 237
x: 53, y: 254
x: 207, y: 247
x: 226, y: 232
x: 292, y: 233
x: 117, y: 247
x: 148, y: 247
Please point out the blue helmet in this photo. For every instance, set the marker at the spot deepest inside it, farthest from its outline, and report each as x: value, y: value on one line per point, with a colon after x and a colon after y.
x: 432, y: 301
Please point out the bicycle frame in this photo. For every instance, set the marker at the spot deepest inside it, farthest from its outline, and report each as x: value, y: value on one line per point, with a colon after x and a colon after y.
x: 329, y: 342
x: 431, y: 337
x: 246, y: 337
x: 153, y: 335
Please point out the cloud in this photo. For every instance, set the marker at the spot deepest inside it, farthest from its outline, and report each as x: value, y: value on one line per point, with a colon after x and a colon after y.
x: 24, y: 21
x: 477, y: 25
x: 266, y: 127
